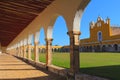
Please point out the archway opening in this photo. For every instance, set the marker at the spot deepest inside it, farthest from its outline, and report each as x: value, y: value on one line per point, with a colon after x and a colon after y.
x: 60, y: 43
x: 32, y: 48
x: 42, y: 46
x: 116, y: 47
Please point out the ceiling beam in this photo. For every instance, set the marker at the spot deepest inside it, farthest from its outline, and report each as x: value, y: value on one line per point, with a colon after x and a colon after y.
x: 12, y: 17
x: 25, y: 6
x: 18, y: 10
x: 9, y: 32
x: 15, y: 13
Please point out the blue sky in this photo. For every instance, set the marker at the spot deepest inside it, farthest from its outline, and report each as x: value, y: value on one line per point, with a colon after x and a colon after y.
x: 103, y: 8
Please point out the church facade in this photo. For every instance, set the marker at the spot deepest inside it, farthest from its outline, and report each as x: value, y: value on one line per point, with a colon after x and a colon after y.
x: 103, y: 37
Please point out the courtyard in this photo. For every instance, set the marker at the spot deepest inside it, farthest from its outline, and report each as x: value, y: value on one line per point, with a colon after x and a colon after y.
x: 105, y: 64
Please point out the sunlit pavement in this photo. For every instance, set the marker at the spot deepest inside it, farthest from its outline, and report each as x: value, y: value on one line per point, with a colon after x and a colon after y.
x: 12, y: 68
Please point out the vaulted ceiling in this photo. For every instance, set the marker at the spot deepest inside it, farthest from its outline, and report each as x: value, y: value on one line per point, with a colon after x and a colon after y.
x: 15, y: 15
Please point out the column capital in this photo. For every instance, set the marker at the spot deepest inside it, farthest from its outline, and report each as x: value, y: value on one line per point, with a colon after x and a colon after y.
x: 48, y: 39
x: 36, y: 42
x: 70, y: 33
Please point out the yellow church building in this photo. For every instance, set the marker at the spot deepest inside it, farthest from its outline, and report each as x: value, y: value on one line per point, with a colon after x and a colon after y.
x: 103, y: 37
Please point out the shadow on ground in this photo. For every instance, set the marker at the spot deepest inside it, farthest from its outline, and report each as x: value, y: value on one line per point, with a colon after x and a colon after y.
x: 49, y: 76
x: 110, y: 72
x: 37, y: 78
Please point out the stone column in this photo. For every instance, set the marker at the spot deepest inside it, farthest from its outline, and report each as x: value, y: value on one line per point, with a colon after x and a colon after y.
x: 29, y: 51
x: 74, y: 51
x: 36, y: 52
x: 49, y: 51
x: 24, y: 51
x: 20, y: 51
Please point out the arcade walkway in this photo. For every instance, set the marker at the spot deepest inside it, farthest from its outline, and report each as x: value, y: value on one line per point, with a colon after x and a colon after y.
x: 12, y: 68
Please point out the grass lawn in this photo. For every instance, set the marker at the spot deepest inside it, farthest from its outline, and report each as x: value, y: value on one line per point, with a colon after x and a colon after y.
x: 100, y: 64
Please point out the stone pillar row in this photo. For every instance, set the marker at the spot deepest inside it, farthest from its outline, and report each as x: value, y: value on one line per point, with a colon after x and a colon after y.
x: 74, y: 51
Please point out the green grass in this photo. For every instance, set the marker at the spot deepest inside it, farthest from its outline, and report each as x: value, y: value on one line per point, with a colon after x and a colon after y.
x: 100, y: 64
x: 26, y: 54
x: 99, y: 59
x: 57, y: 59
x: 33, y: 56
x: 42, y: 57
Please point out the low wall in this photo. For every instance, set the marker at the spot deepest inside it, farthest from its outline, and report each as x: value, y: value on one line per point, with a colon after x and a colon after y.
x: 61, y: 71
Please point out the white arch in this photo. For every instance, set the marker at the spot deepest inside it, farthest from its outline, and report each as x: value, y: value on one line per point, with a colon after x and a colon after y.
x: 36, y: 36
x: 50, y: 28
x: 77, y: 20
x: 70, y: 9
x: 42, y: 28
x: 30, y: 39
x: 25, y: 41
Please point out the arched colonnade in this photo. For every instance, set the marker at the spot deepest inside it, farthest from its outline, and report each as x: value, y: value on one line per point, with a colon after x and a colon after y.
x: 72, y: 11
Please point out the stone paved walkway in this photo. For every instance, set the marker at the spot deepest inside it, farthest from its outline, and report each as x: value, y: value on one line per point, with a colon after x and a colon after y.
x: 12, y: 68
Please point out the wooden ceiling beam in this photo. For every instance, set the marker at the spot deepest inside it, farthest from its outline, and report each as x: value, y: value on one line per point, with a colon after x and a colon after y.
x: 34, y: 4
x: 18, y: 10
x: 24, y: 6
x: 15, y: 13
x: 14, y: 21
x: 5, y: 21
x: 5, y: 12
x: 9, y: 32
x: 44, y: 1
x: 6, y: 37
x: 13, y: 17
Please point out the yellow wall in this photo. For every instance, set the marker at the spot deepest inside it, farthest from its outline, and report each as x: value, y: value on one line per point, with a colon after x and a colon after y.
x: 104, y: 27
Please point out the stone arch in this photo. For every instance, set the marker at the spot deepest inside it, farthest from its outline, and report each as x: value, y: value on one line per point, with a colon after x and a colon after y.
x: 91, y: 48
x: 109, y: 45
x: 30, y: 39
x: 104, y: 48
x: 42, y: 34
x: 77, y: 20
x: 51, y: 25
x: 36, y: 37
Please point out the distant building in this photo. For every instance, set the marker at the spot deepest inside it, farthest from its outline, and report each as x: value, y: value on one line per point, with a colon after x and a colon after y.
x: 103, y: 37
x: 56, y: 48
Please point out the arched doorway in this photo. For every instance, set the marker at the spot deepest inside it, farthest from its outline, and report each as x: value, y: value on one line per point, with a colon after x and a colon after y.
x: 115, y: 47
x: 103, y: 48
